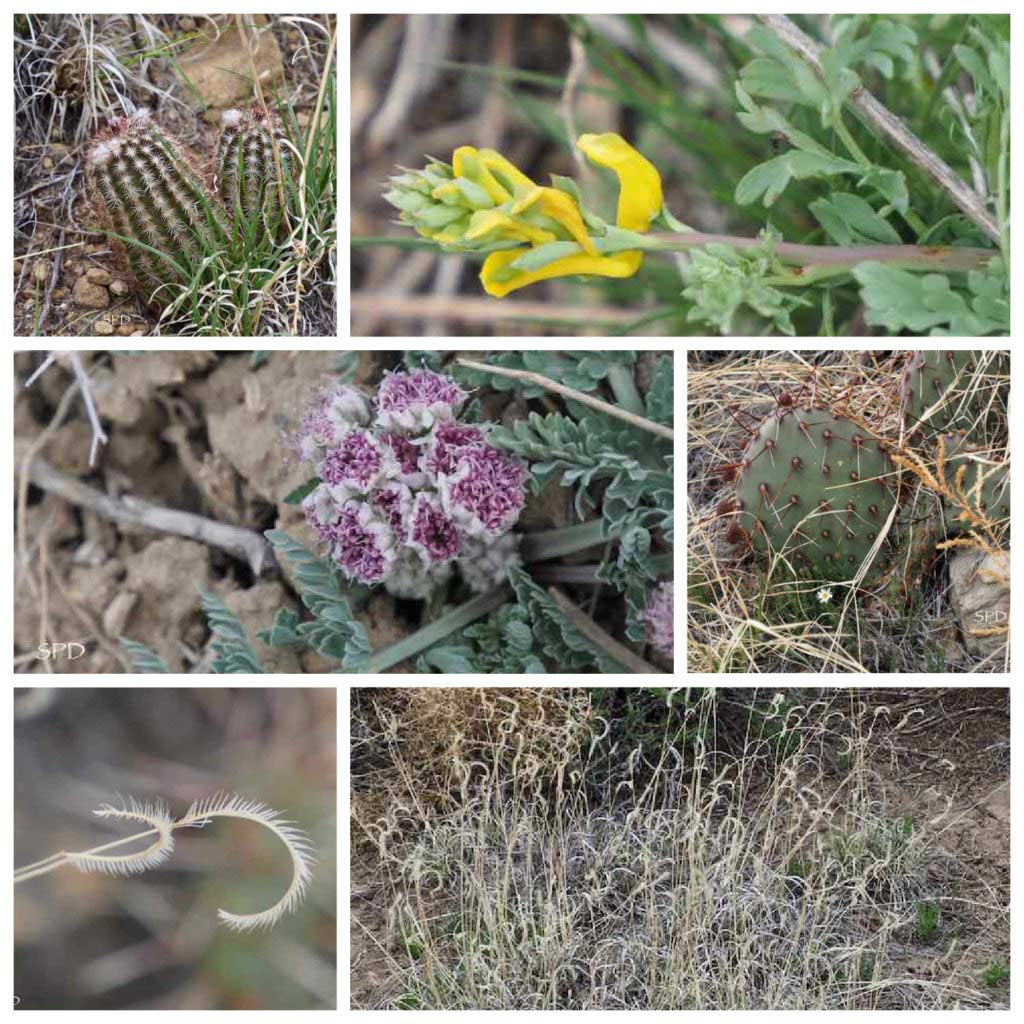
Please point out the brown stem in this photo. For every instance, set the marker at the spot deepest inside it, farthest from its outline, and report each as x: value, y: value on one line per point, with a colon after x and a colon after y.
x: 911, y: 257
x: 577, y: 396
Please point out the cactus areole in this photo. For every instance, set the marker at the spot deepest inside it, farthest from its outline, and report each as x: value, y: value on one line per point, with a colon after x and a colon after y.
x: 814, y: 489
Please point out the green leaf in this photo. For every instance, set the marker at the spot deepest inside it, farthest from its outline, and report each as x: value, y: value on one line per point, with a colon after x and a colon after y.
x: 850, y: 220
x: 890, y: 185
x: 899, y: 300
x: 231, y: 645
x: 334, y: 632
x: 143, y: 659
x: 660, y: 399
x: 297, y: 496
x: 769, y: 180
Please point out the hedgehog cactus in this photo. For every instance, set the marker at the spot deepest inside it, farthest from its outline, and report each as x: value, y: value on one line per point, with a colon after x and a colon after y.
x: 247, y: 178
x: 942, y: 391
x: 145, y: 188
x: 814, y: 488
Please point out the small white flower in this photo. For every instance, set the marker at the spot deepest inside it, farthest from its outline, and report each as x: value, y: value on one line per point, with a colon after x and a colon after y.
x: 825, y: 595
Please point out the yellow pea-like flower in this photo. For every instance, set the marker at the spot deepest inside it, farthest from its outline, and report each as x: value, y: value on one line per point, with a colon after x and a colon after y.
x: 482, y: 202
x: 640, y: 201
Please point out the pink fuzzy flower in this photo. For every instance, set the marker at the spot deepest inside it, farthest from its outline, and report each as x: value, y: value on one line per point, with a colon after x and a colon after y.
x: 416, y: 401
x: 357, y: 464
x: 336, y: 410
x: 393, y: 501
x: 362, y: 544
x: 431, y: 532
x: 659, y: 618
x: 447, y: 442
x: 486, y: 492
x: 409, y: 458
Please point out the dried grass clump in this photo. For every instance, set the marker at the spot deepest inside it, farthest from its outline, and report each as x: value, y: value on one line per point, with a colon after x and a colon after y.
x: 768, y: 876
x: 415, y: 749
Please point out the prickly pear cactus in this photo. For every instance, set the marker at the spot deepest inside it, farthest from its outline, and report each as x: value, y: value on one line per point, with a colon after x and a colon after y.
x: 816, y: 488
x: 985, y: 484
x: 941, y: 392
x: 246, y: 171
x: 145, y: 188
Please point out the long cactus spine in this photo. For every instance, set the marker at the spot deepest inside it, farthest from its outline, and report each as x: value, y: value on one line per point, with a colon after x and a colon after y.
x: 146, y: 189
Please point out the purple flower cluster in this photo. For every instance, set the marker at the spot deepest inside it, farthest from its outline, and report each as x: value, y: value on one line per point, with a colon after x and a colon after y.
x: 406, y: 491
x: 659, y: 618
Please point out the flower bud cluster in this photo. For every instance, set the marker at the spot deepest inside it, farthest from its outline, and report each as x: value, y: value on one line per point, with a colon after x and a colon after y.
x: 406, y: 491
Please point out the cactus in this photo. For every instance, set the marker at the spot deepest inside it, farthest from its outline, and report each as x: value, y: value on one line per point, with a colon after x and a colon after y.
x: 984, y: 468
x: 942, y: 392
x: 145, y: 188
x: 247, y: 179
x: 815, y: 488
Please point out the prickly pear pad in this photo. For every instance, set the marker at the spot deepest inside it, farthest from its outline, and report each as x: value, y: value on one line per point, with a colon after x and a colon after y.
x: 816, y: 489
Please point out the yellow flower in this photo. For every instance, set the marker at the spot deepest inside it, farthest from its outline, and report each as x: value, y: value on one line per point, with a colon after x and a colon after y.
x: 483, y: 203
x: 640, y: 201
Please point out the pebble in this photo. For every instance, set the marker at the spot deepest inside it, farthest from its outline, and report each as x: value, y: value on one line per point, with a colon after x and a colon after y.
x: 119, y: 289
x: 125, y: 330
x: 47, y: 163
x: 137, y: 334
x: 89, y: 294
x: 186, y: 24
x: 103, y: 327
x: 98, y: 275
x: 95, y: 248
x: 17, y: 267
x: 41, y: 271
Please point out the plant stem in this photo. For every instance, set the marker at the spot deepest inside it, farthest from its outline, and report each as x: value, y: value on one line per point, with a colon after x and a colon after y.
x: 839, y: 258
x: 566, y: 540
x: 56, y: 860
x: 459, y: 618
x: 598, y: 637
x: 577, y: 396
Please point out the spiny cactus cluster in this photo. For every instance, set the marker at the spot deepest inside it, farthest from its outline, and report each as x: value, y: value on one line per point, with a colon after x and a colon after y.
x: 147, y: 189
x: 814, y: 487
x: 247, y: 175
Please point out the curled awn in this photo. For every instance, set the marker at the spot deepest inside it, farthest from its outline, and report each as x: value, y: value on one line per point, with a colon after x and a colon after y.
x: 162, y: 827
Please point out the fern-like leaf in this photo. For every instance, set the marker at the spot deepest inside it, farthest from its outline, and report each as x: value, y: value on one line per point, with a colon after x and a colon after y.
x: 232, y: 647
x: 334, y: 632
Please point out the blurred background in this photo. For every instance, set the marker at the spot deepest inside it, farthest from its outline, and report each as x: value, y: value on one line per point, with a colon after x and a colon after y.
x: 153, y: 941
x: 528, y: 86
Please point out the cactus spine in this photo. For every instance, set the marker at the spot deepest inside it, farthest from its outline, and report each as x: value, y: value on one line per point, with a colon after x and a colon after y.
x: 814, y: 488
x: 247, y: 178
x: 146, y: 189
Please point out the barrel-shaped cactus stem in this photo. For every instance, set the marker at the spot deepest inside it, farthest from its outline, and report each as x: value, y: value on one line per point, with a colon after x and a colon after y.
x: 145, y: 188
x: 249, y: 179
